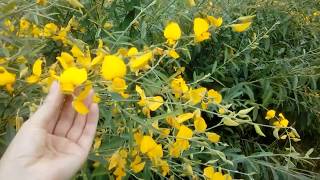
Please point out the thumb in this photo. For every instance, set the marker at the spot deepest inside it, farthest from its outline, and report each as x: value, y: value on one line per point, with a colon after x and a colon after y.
x: 50, y: 109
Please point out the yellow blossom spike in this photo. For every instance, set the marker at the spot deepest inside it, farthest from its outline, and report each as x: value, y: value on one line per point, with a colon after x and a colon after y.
x: 113, y: 67
x: 241, y: 27
x: 172, y: 33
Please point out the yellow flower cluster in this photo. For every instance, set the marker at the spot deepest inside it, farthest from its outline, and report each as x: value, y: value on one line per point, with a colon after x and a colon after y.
x: 279, y: 121
x: 123, y: 71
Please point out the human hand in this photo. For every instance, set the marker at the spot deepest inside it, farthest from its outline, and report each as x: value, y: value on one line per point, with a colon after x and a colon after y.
x: 53, y: 143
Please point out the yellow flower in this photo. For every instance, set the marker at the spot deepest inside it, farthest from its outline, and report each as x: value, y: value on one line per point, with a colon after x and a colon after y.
x: 210, y: 174
x: 172, y: 33
x: 7, y: 79
x: 138, y: 137
x: 66, y: 60
x: 133, y: 51
x: 165, y: 167
x: 62, y: 35
x: 217, y: 22
x: 184, y: 133
x: 196, y: 95
x: 282, y: 122
x: 182, y: 142
x: 99, y: 54
x: 118, y: 85
x: 50, y: 29
x: 241, y: 27
x: 214, y: 97
x: 118, y: 161
x: 78, y: 103
x: 42, y: 2
x: 148, y: 103
x: 179, y: 87
x: 151, y: 148
x: 173, y: 53
x: 113, y: 67
x: 71, y: 78
x: 9, y: 25
x: 200, y: 124
x: 184, y: 117
x: 140, y: 62
x: 36, y: 32
x: 270, y: 114
x: 173, y: 122
x: 137, y: 165
x: 213, y: 137
x: 36, y: 72
x: 200, y: 28
x: 24, y: 24
x: 82, y: 58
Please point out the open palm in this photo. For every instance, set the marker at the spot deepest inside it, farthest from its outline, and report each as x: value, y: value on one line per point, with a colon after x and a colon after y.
x: 54, y: 142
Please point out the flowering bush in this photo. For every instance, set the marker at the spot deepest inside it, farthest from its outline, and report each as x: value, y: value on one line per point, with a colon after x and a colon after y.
x: 159, y: 117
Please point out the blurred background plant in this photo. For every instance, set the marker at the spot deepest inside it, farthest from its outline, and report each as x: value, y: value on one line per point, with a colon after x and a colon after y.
x: 272, y: 65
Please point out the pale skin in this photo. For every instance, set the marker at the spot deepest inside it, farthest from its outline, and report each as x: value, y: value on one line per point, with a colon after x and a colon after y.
x: 54, y: 143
